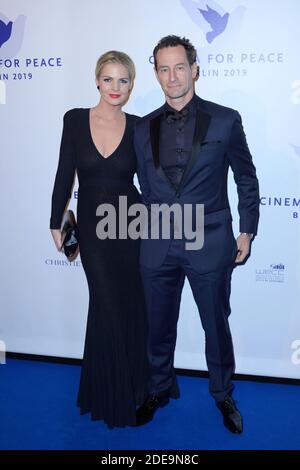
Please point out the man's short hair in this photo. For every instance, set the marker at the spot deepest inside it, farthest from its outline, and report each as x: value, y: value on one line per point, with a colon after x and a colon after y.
x: 173, y: 41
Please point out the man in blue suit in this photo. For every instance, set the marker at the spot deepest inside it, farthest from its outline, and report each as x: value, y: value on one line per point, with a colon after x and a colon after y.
x: 184, y: 151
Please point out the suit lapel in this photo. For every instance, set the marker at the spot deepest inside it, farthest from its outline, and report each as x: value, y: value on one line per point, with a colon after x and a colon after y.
x: 154, y: 138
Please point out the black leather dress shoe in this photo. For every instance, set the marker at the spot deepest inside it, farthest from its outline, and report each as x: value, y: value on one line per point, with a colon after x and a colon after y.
x: 231, y: 416
x: 146, y: 412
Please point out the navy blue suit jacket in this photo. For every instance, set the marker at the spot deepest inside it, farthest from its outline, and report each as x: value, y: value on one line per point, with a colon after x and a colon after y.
x: 219, y: 143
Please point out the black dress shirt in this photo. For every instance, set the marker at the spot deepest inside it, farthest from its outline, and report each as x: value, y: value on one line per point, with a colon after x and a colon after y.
x: 176, y: 138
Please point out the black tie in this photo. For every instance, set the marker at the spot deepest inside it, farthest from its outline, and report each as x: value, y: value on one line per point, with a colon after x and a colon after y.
x: 172, y: 116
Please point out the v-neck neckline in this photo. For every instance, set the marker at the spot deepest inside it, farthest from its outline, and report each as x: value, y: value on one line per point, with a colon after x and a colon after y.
x: 92, y: 140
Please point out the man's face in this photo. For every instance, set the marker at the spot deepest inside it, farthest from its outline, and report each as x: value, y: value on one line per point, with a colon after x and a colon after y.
x: 174, y: 73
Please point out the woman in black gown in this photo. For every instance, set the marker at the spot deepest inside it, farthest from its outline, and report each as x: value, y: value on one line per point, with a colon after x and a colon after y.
x: 97, y: 143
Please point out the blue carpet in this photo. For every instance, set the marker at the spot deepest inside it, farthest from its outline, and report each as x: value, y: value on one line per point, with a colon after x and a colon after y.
x: 38, y: 411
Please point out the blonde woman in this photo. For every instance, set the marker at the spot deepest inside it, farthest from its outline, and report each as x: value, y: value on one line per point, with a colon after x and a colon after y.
x: 97, y: 143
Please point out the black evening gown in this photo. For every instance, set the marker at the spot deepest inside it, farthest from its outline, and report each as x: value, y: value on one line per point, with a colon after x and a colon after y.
x: 114, y: 372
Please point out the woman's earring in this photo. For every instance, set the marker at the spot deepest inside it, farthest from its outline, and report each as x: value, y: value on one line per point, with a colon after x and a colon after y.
x: 98, y: 87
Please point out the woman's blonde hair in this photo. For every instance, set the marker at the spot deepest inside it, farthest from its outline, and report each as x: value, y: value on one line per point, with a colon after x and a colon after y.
x: 116, y: 57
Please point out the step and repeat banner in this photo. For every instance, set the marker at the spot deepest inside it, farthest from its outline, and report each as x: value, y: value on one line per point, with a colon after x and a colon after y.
x: 248, y: 52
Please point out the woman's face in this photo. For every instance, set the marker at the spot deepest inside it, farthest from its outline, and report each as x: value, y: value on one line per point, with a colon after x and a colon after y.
x: 114, y: 84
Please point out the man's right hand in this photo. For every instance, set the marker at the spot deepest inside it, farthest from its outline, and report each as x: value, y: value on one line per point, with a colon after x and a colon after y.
x: 243, y: 247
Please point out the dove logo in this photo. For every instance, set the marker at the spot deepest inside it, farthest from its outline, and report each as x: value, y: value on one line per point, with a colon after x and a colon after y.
x: 2, y: 92
x: 11, y: 35
x: 2, y: 352
x: 5, y: 31
x: 217, y: 22
x: 296, y: 94
x: 212, y: 18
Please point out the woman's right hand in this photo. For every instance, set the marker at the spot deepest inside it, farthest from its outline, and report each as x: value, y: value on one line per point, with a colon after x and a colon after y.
x: 56, y: 234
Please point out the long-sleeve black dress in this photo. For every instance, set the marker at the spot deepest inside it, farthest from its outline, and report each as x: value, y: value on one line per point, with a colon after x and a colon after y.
x: 114, y: 372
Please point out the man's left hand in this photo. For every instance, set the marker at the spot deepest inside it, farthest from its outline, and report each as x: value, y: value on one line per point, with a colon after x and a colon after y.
x: 243, y: 246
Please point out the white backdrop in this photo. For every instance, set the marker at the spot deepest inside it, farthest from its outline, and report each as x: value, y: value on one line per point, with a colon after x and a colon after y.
x: 47, y: 67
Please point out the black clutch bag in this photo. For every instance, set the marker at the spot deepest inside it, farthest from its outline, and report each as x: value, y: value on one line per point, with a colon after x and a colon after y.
x: 69, y: 234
